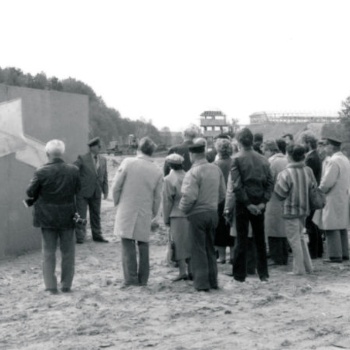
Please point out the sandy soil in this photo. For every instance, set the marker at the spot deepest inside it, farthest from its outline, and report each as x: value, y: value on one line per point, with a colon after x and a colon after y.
x: 311, y: 312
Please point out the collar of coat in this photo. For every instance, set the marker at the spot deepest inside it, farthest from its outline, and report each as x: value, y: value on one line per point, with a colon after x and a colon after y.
x: 296, y: 165
x: 145, y: 157
x: 337, y: 154
x: 277, y: 155
x: 56, y: 160
x: 199, y: 162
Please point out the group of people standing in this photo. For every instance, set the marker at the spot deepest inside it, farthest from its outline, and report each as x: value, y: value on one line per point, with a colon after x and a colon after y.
x: 247, y: 194
x: 266, y: 207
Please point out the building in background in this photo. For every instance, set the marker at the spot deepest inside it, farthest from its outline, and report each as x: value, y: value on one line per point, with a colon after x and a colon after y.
x: 294, y: 117
x: 214, y: 122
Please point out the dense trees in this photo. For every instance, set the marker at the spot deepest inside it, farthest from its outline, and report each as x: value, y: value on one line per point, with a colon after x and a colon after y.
x: 104, y: 121
x: 345, y: 111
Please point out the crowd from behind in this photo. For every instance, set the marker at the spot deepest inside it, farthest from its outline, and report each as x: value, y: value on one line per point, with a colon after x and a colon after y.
x: 261, y: 198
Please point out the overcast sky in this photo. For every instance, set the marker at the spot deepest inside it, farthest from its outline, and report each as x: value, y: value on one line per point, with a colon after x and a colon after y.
x: 170, y: 60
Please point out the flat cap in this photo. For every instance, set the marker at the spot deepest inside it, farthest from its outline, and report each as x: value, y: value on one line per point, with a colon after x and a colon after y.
x: 333, y: 132
x: 197, y: 148
x: 174, y: 158
x: 93, y: 142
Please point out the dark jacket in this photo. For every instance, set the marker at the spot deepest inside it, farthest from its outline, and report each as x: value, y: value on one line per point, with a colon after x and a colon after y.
x: 184, y: 152
x: 314, y: 162
x: 252, y: 178
x: 93, y: 182
x: 225, y: 165
x: 53, y: 189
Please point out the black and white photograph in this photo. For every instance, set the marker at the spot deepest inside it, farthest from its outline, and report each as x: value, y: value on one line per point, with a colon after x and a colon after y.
x: 174, y: 175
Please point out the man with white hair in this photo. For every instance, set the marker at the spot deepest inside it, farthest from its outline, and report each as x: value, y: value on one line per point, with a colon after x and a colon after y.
x: 190, y: 133
x: 53, y: 191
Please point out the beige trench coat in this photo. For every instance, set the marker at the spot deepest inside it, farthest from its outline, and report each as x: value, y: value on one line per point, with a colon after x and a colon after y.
x: 136, y: 189
x: 335, y: 183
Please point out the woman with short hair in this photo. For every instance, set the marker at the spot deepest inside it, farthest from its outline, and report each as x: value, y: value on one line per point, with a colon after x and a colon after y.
x: 174, y: 217
x: 223, y: 238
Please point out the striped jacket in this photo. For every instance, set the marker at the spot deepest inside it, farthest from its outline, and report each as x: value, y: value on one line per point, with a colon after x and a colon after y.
x: 293, y: 186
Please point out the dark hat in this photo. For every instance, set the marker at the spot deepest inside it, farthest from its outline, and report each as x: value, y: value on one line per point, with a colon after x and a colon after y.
x: 93, y: 142
x: 197, y: 148
x: 333, y: 132
x: 258, y: 137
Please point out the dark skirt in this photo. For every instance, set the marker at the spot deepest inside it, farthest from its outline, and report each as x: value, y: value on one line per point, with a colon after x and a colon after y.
x: 180, y: 234
x: 222, y: 234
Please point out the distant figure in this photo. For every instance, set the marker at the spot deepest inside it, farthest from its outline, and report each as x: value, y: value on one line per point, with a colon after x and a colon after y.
x: 258, y: 139
x: 334, y: 217
x: 53, y: 190
x: 175, y: 218
x: 321, y: 149
x: 274, y: 222
x: 203, y: 188
x: 252, y: 185
x: 137, y: 188
x: 282, y: 146
x: 223, y: 238
x: 289, y: 139
x: 189, y: 134
x: 313, y: 161
x: 211, y: 152
x: 94, y: 182
x: 235, y: 149
x: 293, y: 187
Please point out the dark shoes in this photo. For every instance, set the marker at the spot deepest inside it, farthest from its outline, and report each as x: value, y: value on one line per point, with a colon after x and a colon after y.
x: 66, y: 290
x: 239, y: 279
x: 100, y: 240
x: 333, y: 260
x: 203, y: 290
x: 80, y: 241
x: 51, y: 291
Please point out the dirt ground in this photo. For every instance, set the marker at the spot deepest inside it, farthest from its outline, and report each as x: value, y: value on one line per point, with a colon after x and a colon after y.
x: 311, y: 312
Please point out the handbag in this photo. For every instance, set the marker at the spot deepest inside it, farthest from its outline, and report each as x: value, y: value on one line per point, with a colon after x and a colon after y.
x: 317, y: 198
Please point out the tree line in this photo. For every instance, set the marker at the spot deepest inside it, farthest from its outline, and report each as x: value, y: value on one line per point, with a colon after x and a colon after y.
x: 104, y: 121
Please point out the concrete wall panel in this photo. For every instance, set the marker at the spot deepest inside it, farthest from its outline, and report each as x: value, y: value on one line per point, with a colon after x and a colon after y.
x: 46, y: 115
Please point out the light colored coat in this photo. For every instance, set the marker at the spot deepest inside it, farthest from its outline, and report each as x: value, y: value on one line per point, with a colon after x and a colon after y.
x: 203, y: 188
x: 172, y: 195
x: 136, y: 190
x: 335, y: 183
x: 274, y: 222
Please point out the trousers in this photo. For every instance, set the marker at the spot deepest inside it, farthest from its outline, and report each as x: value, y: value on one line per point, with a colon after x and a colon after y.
x: 135, y: 274
x: 50, y: 237
x: 278, y: 248
x: 315, y: 237
x: 337, y: 244
x: 94, y: 205
x: 203, y: 256
x: 301, y: 257
x: 239, y: 267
